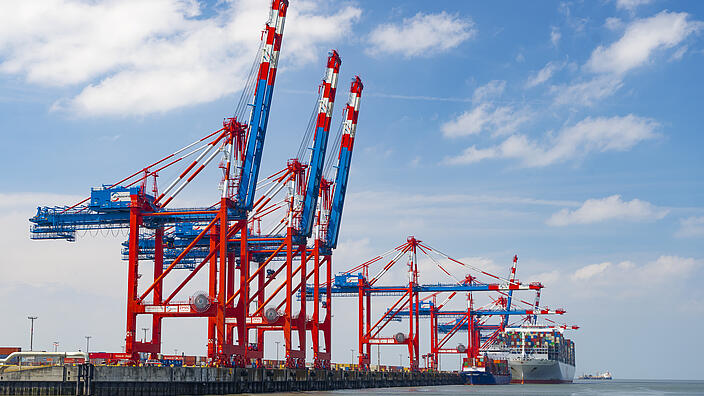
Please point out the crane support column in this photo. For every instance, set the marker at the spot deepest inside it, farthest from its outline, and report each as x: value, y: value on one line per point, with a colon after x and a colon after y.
x: 158, y: 289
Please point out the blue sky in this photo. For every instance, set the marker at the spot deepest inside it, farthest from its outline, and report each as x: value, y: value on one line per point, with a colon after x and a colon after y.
x: 568, y: 133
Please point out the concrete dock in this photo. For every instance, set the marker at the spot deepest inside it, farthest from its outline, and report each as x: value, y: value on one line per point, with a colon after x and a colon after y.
x: 152, y: 381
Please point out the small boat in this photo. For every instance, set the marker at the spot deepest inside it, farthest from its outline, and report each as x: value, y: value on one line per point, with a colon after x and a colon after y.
x: 486, y: 371
x: 599, y: 376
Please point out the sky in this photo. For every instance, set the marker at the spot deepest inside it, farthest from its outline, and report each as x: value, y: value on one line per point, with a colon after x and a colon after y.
x: 568, y: 133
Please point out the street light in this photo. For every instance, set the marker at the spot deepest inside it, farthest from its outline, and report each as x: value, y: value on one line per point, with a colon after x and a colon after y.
x: 56, y: 346
x: 352, y: 351
x: 31, y: 332
x: 277, y: 351
x: 400, y: 359
x: 145, y: 334
x: 88, y: 343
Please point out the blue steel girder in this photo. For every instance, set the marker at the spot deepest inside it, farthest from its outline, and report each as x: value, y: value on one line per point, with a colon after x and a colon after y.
x: 110, y: 209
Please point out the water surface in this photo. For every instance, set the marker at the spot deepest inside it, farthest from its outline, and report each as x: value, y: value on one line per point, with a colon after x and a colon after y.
x: 613, y: 387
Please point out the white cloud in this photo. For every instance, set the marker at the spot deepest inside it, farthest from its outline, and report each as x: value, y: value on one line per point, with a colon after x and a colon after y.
x: 490, y: 90
x: 591, y: 135
x: 613, y: 23
x: 138, y: 58
x: 555, y: 36
x: 500, y: 120
x: 691, y: 227
x: 679, y: 53
x: 590, y: 271
x: 641, y: 39
x: 631, y: 5
x: 485, y: 115
x: 586, y: 93
x: 669, y: 266
x: 421, y: 35
x: 609, y: 208
x: 49, y: 263
x: 625, y: 280
x: 546, y: 278
x: 544, y: 74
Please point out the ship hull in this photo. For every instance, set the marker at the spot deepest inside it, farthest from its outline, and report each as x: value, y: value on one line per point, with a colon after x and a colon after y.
x: 482, y: 378
x: 540, y: 371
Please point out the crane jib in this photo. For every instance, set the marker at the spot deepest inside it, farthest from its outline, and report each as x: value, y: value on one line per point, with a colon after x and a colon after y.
x: 317, y: 160
x: 254, y: 133
x: 339, y: 197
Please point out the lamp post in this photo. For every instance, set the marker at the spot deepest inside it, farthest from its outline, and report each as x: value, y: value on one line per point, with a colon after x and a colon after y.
x: 88, y: 343
x: 145, y: 334
x: 277, y: 351
x: 400, y: 359
x: 352, y: 352
x: 56, y: 346
x: 31, y: 332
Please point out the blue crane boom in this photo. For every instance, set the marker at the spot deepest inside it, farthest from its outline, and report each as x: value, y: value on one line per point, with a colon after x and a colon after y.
x: 512, y: 278
x: 320, y: 143
x: 259, y: 118
x: 345, y: 158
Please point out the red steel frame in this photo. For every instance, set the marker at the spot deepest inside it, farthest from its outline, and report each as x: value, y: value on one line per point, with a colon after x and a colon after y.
x: 368, y: 332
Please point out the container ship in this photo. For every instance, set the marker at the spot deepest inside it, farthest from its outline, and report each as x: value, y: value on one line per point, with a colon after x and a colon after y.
x: 539, y: 355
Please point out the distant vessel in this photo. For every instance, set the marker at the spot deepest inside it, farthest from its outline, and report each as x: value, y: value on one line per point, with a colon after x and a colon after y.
x: 490, y: 369
x: 539, y: 355
x: 598, y: 376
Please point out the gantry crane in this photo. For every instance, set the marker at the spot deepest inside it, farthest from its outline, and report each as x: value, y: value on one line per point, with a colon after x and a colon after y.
x: 225, y: 236
x: 358, y: 283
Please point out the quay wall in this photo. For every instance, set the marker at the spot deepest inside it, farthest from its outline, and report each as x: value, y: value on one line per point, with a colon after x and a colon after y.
x: 153, y: 381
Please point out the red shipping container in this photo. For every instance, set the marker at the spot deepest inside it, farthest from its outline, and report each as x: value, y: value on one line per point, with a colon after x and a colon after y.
x: 9, y: 350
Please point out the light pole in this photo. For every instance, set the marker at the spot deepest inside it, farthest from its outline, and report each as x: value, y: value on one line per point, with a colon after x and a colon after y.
x: 56, y: 346
x: 145, y: 334
x: 400, y: 359
x: 352, y: 351
x: 88, y: 343
x: 31, y: 332
x: 277, y: 351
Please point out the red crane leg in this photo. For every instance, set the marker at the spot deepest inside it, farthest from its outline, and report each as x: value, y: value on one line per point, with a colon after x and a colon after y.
x: 230, y: 292
x: 287, y: 314
x: 223, y: 352
x: 261, y: 282
x: 132, y: 273
x: 302, y: 316
x: 410, y: 325
x: 212, y: 293
x: 432, y: 356
x: 368, y: 346
x: 242, y: 309
x: 315, y: 324
x: 158, y: 290
x: 362, y: 335
x: 416, y: 343
x: 327, y: 323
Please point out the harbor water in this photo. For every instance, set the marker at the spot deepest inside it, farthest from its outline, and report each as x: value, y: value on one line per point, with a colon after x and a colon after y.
x: 611, y: 387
